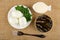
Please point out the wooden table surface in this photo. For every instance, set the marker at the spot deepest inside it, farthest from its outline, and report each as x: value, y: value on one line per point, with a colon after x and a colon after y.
x: 6, y: 29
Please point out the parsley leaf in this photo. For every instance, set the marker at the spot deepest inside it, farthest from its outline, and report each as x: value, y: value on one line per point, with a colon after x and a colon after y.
x: 25, y: 12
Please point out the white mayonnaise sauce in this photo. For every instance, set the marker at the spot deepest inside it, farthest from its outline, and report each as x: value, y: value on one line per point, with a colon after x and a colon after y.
x: 41, y: 7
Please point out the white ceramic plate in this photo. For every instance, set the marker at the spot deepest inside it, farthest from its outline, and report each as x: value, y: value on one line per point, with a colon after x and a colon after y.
x: 16, y: 25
